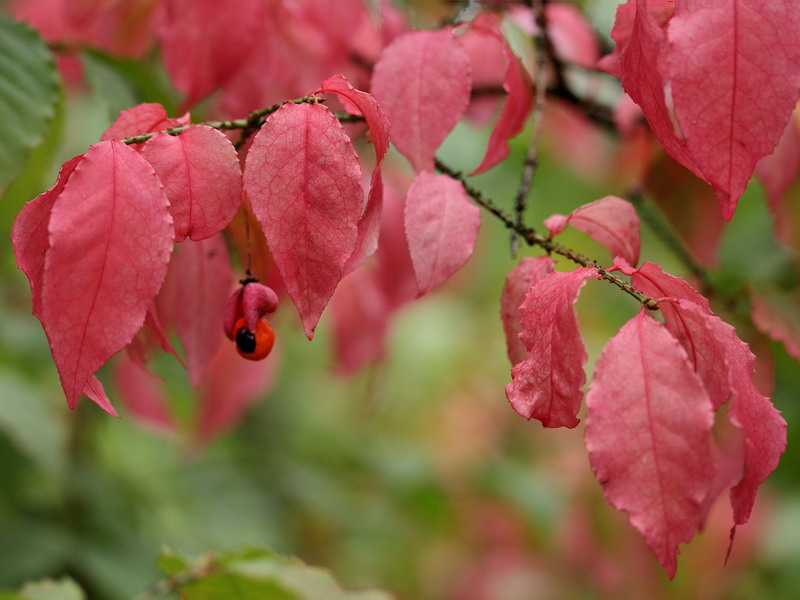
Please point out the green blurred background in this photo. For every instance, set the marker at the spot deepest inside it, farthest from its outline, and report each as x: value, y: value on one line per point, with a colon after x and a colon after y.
x: 415, y: 475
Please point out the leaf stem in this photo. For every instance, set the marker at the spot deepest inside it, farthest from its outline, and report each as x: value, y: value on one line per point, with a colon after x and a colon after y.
x: 536, y: 239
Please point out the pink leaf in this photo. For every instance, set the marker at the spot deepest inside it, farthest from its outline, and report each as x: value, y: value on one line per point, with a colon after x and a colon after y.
x: 143, y: 395
x: 142, y: 118
x: 360, y: 320
x: 763, y: 427
x: 422, y: 83
x: 230, y: 387
x: 777, y: 172
x: 735, y: 80
x: 547, y: 385
x: 441, y: 227
x: 366, y: 105
x: 777, y: 314
x: 395, y: 271
x: 203, y: 43
x: 610, y: 221
x: 30, y: 236
x: 515, y: 110
x: 642, y: 51
x: 573, y: 37
x: 95, y: 391
x: 648, y: 432
x: 200, y: 278
x: 202, y: 179
x: 110, y: 241
x: 528, y: 271
x: 303, y: 180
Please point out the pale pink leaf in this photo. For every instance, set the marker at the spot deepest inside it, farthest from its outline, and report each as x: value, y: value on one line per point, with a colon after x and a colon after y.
x: 528, y: 271
x: 30, y: 236
x: 201, y: 278
x: 303, y: 180
x: 515, y: 109
x: 230, y: 387
x: 142, y: 118
x: 152, y: 335
x: 573, y: 37
x: 143, y: 395
x: 395, y: 271
x: 547, y: 385
x: 203, y: 43
x: 777, y: 172
x: 735, y: 80
x: 360, y: 320
x: 202, y: 179
x: 777, y: 314
x: 648, y: 432
x: 110, y: 241
x: 422, y: 83
x: 441, y: 226
x: 610, y: 221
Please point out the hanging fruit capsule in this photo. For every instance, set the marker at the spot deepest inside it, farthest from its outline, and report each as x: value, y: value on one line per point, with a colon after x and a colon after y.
x: 254, y: 345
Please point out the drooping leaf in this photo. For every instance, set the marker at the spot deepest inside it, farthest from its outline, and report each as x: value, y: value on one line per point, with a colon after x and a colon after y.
x: 729, y: 47
x: 110, y: 241
x: 143, y: 395
x: 422, y: 83
x: 441, y: 226
x: 302, y: 178
x: 30, y: 236
x: 366, y: 105
x: 648, y: 432
x: 199, y: 283
x: 547, y: 385
x: 203, y: 44
x: 528, y: 271
x: 202, y: 179
x: 29, y: 91
x: 517, y: 105
x: 142, y: 118
x: 610, y: 221
x: 230, y: 386
x: 777, y: 172
x: 642, y: 52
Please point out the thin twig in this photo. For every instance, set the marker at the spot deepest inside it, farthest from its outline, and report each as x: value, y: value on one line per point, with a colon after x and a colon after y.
x: 536, y: 239
x: 543, y: 52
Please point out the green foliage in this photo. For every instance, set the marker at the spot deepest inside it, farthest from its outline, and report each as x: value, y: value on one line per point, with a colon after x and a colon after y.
x: 29, y: 91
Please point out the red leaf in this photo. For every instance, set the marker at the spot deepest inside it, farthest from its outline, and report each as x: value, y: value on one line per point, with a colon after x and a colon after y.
x: 642, y: 51
x: 763, y: 428
x: 203, y: 42
x: 95, y: 391
x: 610, y: 221
x: 422, y: 83
x: 735, y: 80
x: 202, y: 179
x: 303, y: 180
x: 395, y: 271
x: 366, y: 105
x: 573, y: 37
x: 517, y: 105
x: 201, y: 278
x: 30, y: 236
x: 230, y: 387
x: 648, y: 432
x: 547, y: 384
x: 441, y: 227
x: 528, y: 271
x: 110, y: 241
x: 142, y: 118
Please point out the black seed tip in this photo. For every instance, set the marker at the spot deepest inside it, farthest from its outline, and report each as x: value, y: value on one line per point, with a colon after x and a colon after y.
x: 245, y: 341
